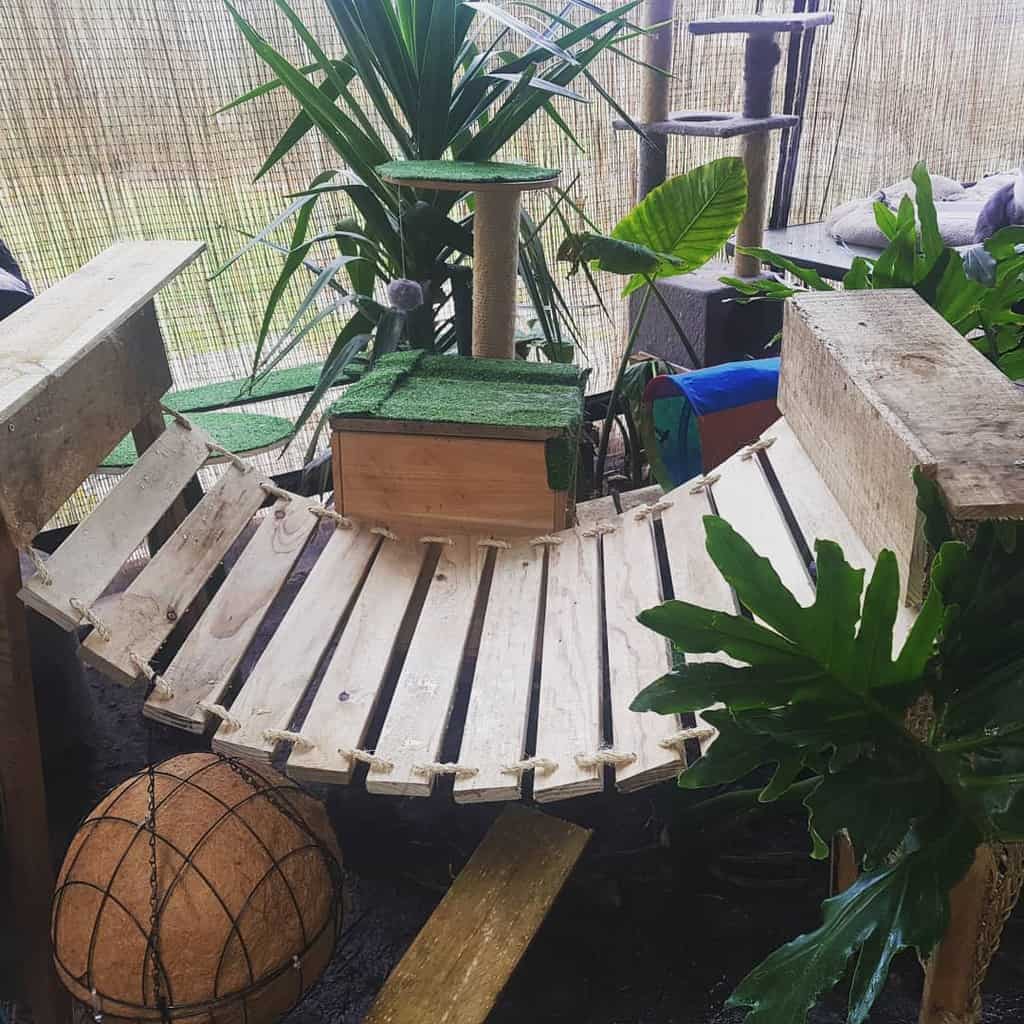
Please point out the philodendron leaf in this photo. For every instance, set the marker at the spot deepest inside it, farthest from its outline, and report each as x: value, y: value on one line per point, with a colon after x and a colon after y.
x: 895, y: 907
x: 689, y: 217
x: 734, y: 753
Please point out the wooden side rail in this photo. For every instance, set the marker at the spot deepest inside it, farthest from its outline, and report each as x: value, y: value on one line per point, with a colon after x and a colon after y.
x: 80, y: 367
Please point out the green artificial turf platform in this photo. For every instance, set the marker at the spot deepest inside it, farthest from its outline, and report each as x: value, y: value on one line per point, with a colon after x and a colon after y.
x: 466, y: 174
x: 240, y: 432
x: 414, y: 387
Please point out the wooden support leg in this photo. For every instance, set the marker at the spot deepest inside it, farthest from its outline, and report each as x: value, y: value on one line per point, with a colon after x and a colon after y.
x: 950, y: 974
x: 23, y: 799
x: 495, y: 266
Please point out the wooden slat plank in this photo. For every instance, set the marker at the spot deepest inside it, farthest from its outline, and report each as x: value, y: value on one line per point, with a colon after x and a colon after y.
x: 496, y: 719
x: 816, y: 510
x: 745, y: 500
x: 569, y: 712
x: 358, y: 665
x: 416, y: 720
x: 143, y: 616
x: 464, y: 955
x: 275, y: 686
x: 79, y: 365
x: 203, y: 667
x: 636, y: 655
x: 596, y: 510
x: 88, y: 560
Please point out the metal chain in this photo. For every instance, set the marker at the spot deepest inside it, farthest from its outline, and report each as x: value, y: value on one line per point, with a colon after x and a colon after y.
x: 154, y: 885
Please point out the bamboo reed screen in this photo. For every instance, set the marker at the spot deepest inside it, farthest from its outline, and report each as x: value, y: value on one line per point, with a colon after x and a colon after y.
x: 109, y: 132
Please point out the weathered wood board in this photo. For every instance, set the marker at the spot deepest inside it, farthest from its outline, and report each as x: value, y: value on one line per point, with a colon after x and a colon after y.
x: 875, y: 383
x: 203, y: 667
x: 569, y: 711
x: 143, y: 616
x: 351, y: 683
x: 270, y: 695
x: 83, y: 566
x: 79, y: 366
x: 464, y: 955
x: 418, y: 716
x: 496, y: 720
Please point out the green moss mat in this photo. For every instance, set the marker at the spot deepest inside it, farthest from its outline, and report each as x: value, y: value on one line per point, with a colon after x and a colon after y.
x: 492, y: 392
x: 239, y: 432
x: 458, y: 172
x: 276, y: 384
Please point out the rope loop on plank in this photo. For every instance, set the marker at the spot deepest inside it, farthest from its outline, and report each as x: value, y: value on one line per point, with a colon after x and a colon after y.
x: 277, y: 492
x: 383, y: 531
x: 182, y: 421
x: 705, y: 483
x: 432, y: 768
x: 677, y: 739
x: 606, y: 755
x: 377, y: 764
x: 494, y: 542
x: 161, y: 689
x: 600, y: 529
x: 44, y: 574
x: 539, y: 765
x: 219, y: 711
x: 551, y: 540
x: 758, y: 446
x: 296, y: 739
x: 340, y: 521
x: 653, y: 508
x: 240, y: 464
x: 87, y: 615
x: 431, y: 539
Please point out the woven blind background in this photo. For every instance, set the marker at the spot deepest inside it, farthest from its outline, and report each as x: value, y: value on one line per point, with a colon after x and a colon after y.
x: 108, y: 128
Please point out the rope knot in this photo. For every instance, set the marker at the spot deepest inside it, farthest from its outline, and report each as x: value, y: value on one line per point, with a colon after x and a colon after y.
x: 606, y: 755
x: 677, y: 739
x: 277, y: 492
x: 653, y: 508
x: 539, y: 765
x: 377, y: 764
x: 296, y: 739
x: 340, y: 521
x: 600, y: 529
x: 88, y: 615
x: 758, y: 446
x: 182, y: 421
x: 161, y: 690
x: 383, y: 531
x: 431, y: 539
x: 546, y: 540
x: 493, y: 542
x: 219, y: 711
x: 240, y: 464
x: 705, y: 483
x: 432, y: 768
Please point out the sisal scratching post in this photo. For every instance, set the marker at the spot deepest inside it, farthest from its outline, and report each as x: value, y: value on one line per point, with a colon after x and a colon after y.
x: 495, y: 263
x: 497, y: 188
x: 652, y: 157
x: 762, y: 56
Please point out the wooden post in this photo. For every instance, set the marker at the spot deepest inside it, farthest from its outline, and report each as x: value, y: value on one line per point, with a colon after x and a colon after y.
x: 652, y: 158
x: 762, y: 55
x: 950, y: 973
x: 495, y: 268
x: 23, y: 800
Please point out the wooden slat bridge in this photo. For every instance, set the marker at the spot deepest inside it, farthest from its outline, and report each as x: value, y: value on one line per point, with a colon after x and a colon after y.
x: 389, y: 629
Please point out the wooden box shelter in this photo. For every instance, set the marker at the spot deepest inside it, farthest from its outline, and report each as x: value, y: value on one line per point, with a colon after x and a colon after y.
x: 540, y: 632
x: 433, y: 443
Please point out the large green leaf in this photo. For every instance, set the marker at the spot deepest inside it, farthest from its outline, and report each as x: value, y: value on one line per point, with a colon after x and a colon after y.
x: 689, y: 217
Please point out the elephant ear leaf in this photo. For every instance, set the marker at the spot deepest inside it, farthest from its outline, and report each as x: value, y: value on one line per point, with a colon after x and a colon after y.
x: 690, y: 217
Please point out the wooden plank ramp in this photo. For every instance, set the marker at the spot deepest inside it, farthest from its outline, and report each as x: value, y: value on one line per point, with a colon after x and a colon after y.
x: 569, y: 710
x: 203, y: 667
x: 83, y: 566
x: 348, y: 693
x: 464, y: 955
x: 636, y: 655
x: 269, y: 697
x: 139, y: 619
x: 410, y: 740
x: 494, y: 736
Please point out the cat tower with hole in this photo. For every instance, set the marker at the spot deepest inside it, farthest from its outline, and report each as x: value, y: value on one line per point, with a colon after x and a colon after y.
x: 536, y: 621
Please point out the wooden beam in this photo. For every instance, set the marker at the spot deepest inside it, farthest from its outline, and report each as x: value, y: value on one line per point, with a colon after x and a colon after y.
x: 876, y: 383
x: 23, y: 800
x: 79, y: 368
x: 462, y: 958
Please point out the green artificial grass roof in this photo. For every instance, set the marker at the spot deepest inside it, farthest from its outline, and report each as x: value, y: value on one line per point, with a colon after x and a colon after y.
x: 451, y: 389
x: 464, y: 172
x: 277, y: 384
x: 239, y: 432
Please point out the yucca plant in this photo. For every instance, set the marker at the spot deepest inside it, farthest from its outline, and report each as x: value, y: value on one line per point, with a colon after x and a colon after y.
x: 414, y: 80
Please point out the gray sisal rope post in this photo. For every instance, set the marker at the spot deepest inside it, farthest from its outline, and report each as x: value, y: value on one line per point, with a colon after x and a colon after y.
x: 760, y: 59
x: 652, y: 160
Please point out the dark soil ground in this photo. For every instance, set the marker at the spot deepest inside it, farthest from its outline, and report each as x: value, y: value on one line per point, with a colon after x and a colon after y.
x: 667, y: 910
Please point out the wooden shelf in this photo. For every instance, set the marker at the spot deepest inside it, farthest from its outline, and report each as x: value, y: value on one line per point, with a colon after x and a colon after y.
x: 714, y: 124
x: 753, y: 24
